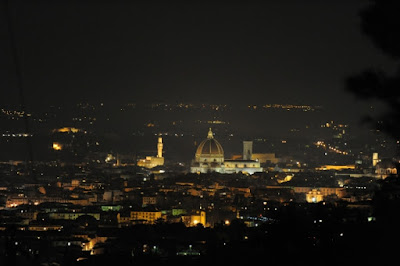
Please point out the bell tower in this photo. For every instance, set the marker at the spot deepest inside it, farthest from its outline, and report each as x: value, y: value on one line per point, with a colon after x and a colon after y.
x: 247, y: 150
x: 159, y: 147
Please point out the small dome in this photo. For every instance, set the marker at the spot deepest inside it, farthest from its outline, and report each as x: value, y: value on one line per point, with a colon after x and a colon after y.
x: 210, y: 147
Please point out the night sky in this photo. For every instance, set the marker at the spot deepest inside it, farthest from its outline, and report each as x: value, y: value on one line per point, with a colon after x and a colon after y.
x: 192, y: 51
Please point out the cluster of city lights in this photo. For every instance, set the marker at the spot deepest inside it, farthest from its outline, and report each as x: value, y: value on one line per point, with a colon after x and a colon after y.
x: 287, y: 107
x: 187, y: 106
x: 13, y: 114
x: 322, y: 144
x: 16, y: 135
x: 211, y: 122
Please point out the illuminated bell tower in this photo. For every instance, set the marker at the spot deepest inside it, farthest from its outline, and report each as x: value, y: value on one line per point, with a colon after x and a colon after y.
x: 159, y: 147
x: 375, y: 159
x: 247, y: 150
x: 153, y: 161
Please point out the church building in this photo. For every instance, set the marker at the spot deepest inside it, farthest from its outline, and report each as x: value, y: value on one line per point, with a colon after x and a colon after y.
x: 209, y: 157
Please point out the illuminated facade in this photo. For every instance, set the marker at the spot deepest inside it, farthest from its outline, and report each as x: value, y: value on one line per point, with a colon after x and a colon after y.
x: 314, y: 196
x: 152, y: 161
x: 147, y: 217
x: 199, y: 217
x: 209, y: 157
x: 67, y: 130
x: 149, y: 201
x: 375, y: 159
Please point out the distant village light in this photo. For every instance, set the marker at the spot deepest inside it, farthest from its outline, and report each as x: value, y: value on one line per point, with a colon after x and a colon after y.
x: 57, y: 146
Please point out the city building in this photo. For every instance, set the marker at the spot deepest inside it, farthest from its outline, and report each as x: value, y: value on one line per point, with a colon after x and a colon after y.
x: 153, y: 161
x: 209, y: 157
x: 314, y: 196
x: 146, y: 216
x: 197, y: 217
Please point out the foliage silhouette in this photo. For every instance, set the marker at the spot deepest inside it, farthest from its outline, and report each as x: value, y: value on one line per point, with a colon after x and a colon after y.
x: 381, y: 23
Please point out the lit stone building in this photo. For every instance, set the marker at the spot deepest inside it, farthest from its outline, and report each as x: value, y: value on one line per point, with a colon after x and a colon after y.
x: 244, y: 166
x: 209, y: 157
x: 198, y: 217
x: 149, y: 200
x: 152, y: 161
x: 314, y: 196
x: 145, y: 216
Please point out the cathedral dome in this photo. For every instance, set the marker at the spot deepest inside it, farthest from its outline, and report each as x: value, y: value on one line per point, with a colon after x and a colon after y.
x: 209, y: 149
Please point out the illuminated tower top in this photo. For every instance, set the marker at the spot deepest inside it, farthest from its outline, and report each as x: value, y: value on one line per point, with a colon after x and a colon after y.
x: 159, y: 147
x: 375, y: 159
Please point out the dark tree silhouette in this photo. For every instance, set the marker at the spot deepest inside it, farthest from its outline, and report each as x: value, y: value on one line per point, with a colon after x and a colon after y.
x: 381, y: 23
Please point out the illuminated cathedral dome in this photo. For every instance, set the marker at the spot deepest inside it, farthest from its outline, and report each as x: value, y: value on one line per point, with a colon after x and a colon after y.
x: 209, y: 158
x: 209, y: 150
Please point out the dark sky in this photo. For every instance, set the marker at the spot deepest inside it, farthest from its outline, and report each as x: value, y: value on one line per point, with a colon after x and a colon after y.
x: 130, y: 51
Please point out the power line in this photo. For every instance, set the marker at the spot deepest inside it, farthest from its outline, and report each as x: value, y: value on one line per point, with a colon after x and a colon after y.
x: 19, y: 78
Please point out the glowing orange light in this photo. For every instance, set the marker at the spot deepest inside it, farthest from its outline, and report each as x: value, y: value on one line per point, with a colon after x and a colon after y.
x: 67, y: 130
x: 57, y: 146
